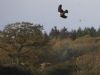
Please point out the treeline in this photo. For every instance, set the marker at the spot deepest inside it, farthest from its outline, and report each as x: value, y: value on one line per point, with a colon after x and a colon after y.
x: 73, y: 34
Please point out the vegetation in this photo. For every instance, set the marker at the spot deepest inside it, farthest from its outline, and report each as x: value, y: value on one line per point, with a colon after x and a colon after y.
x: 60, y: 52
x: 14, y: 70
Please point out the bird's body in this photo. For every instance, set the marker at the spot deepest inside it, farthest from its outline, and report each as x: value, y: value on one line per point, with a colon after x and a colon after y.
x: 62, y: 12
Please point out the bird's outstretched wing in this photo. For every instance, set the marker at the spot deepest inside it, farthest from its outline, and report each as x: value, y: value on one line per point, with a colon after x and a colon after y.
x: 66, y: 11
x: 60, y: 8
x: 63, y: 16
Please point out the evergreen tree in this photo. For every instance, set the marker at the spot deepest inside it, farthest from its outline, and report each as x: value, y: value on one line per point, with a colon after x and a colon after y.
x: 54, y: 33
x: 46, y: 36
x: 93, y: 32
x: 73, y: 34
x: 64, y: 33
x: 87, y: 31
x: 98, y: 32
x: 80, y: 32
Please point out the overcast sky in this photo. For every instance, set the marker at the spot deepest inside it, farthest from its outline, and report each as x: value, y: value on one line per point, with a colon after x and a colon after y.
x: 82, y: 13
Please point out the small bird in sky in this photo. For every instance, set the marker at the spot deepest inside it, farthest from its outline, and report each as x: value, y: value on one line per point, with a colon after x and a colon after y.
x: 62, y: 12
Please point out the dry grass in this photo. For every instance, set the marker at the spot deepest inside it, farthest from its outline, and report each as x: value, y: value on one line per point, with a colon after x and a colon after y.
x: 78, y: 43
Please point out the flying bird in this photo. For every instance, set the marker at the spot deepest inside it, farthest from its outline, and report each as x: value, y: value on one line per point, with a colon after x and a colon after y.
x: 62, y: 12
